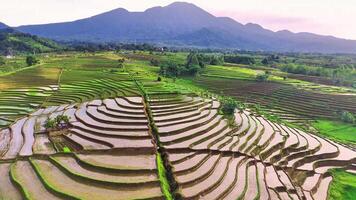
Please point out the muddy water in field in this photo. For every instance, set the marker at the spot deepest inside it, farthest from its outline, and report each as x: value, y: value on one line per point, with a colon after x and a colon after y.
x: 115, y: 142
x: 210, y: 181
x: 29, y: 137
x: 5, y: 138
x: 190, y: 163
x: 227, y: 182
x: 72, y: 164
x: 122, y: 161
x: 203, y: 170
x: 87, y: 190
x: 261, y: 181
x: 252, y: 185
x: 240, y: 183
x: 7, y: 189
x: 16, y: 139
x: 27, y: 177
x: 43, y: 145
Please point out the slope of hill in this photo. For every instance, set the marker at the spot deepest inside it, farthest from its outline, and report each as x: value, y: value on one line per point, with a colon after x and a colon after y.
x: 2, y: 25
x: 12, y: 41
x: 186, y: 24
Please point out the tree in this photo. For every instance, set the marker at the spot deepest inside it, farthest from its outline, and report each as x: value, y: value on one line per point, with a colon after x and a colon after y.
x: 31, y: 60
x: 262, y: 77
x: 60, y: 122
x: 192, y: 60
x: 348, y: 117
x: 50, y: 124
x: 270, y: 59
x: 246, y: 60
x: 121, y: 62
x: 155, y: 62
x: 228, y: 106
x: 2, y: 61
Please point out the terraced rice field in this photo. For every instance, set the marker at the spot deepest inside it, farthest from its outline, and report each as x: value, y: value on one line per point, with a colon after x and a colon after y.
x: 289, y: 103
x: 115, y: 136
x: 15, y: 103
x: 254, y: 159
x: 113, y: 154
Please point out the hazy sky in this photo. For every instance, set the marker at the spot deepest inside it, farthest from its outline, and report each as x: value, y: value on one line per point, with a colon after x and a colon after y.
x: 327, y: 17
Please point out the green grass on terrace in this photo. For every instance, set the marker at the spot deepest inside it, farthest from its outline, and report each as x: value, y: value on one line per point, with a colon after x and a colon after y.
x: 339, y: 131
x: 343, y: 186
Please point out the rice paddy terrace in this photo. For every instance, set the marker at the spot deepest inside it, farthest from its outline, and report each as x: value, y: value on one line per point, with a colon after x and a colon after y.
x: 288, y: 102
x: 119, y: 129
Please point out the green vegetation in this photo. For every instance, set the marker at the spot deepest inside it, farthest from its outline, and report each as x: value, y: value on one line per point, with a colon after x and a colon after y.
x: 31, y: 60
x: 162, y: 177
x: 343, y: 185
x: 12, y: 41
x: 229, y: 105
x: 83, y: 77
x: 195, y: 63
x: 2, y: 61
x: 13, y: 177
x: 246, y: 60
x: 60, y: 122
x: 339, y: 131
x: 66, y: 149
x: 262, y: 77
x: 347, y: 117
x: 269, y: 60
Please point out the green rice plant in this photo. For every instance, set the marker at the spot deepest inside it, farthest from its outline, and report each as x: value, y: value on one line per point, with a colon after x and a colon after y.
x: 66, y: 149
x: 343, y: 185
x: 339, y: 131
x: 163, y: 178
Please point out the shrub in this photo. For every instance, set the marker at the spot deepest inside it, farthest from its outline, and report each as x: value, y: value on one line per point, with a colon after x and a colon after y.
x: 347, y: 117
x: 354, y: 84
x: 50, y: 124
x: 159, y: 79
x: 155, y: 62
x: 121, y: 62
x: 2, y: 61
x: 239, y: 59
x: 31, y: 60
x: 262, y: 77
x: 270, y: 59
x: 60, y: 122
x: 229, y: 105
x: 66, y: 149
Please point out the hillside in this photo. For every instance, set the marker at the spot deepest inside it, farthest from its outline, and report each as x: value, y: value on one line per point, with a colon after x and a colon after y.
x: 125, y: 135
x: 12, y: 41
x: 2, y: 25
x: 184, y: 24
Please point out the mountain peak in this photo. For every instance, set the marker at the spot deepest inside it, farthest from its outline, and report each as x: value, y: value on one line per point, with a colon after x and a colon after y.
x: 179, y: 4
x: 186, y: 24
x: 179, y: 7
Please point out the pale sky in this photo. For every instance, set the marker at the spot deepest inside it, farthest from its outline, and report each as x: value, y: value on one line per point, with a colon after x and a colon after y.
x: 327, y: 17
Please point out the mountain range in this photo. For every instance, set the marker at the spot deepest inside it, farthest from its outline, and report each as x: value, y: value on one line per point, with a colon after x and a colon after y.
x: 184, y: 24
x: 3, y: 26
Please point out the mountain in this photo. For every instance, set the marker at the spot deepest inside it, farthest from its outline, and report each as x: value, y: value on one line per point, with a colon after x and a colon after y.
x: 2, y: 26
x: 13, y: 41
x: 184, y: 24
